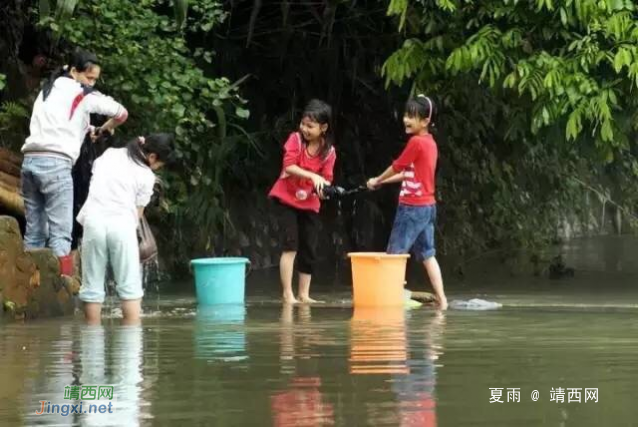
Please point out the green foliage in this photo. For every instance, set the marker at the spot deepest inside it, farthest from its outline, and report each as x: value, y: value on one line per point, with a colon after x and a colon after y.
x: 181, y: 10
x: 13, y: 124
x: 572, y: 59
x: 3, y: 81
x: 205, y: 16
x: 534, y: 96
x: 64, y: 10
x: 148, y: 66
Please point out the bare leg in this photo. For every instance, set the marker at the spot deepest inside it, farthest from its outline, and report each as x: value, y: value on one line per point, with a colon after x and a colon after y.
x: 434, y: 273
x: 304, y: 288
x: 286, y: 265
x: 131, y: 310
x: 93, y: 313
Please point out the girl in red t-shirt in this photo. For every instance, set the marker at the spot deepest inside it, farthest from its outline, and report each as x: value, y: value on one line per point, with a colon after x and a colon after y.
x: 413, y: 229
x: 309, y: 158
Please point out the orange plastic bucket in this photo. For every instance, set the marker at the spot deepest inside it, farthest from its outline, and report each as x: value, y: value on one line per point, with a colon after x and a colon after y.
x: 377, y: 279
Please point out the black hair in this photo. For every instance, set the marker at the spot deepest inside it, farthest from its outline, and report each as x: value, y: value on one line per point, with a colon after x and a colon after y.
x: 422, y: 107
x: 160, y: 144
x: 81, y: 60
x: 320, y: 112
x: 83, y: 171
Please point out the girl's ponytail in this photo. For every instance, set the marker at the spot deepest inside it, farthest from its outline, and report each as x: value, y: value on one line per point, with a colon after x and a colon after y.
x: 48, y: 85
x: 160, y: 144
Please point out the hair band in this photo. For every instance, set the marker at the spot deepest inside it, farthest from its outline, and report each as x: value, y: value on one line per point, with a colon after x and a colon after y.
x: 429, y: 103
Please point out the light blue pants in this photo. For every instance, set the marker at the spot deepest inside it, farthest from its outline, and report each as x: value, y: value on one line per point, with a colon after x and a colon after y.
x: 110, y: 239
x: 47, y: 189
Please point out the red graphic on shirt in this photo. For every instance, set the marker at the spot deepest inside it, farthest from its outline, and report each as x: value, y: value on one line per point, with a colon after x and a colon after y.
x: 410, y: 186
x: 418, y: 164
x: 75, y: 104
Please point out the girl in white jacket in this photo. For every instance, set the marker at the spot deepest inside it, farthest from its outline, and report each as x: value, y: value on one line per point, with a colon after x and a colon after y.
x: 59, y: 122
x: 121, y: 187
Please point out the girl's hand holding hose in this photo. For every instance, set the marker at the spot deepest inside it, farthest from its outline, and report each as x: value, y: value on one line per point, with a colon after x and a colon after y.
x: 373, y: 183
x: 319, y: 182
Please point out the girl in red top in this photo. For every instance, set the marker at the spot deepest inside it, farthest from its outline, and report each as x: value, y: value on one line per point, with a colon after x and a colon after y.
x: 413, y: 228
x: 309, y: 158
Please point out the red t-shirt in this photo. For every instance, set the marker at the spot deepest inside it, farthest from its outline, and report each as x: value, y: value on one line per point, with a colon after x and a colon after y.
x: 298, y: 192
x: 418, y: 162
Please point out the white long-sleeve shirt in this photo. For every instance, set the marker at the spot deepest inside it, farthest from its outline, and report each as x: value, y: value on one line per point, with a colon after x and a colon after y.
x: 118, y: 187
x: 59, y: 124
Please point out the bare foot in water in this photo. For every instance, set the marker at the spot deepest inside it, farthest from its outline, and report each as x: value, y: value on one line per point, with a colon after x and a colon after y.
x: 290, y: 299
x: 308, y: 300
x: 442, y: 303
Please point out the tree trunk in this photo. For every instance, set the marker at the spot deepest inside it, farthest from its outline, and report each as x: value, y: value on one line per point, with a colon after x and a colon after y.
x: 9, y: 168
x: 11, y: 180
x: 11, y: 200
x: 10, y: 156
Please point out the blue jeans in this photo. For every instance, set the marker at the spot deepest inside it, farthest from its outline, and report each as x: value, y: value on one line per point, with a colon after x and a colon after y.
x: 47, y: 189
x: 413, y: 231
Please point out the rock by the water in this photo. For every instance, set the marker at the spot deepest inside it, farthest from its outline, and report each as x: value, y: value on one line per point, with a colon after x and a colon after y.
x: 30, y: 282
x: 53, y: 297
x: 19, y: 276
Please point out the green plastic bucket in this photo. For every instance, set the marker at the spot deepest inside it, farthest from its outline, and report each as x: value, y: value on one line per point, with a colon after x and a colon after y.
x: 220, y: 280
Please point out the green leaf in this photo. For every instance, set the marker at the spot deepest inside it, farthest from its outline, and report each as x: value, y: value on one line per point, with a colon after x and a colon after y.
x: 606, y: 131
x: 181, y: 11
x: 398, y: 7
x: 242, y: 112
x: 179, y: 110
x: 44, y: 8
x: 64, y: 9
x: 221, y: 120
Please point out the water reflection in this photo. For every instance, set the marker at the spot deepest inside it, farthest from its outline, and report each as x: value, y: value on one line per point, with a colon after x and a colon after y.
x: 613, y: 254
x: 339, y: 367
x: 301, y: 401
x: 54, y: 376
x: 118, y: 363
x: 90, y: 356
x: 378, y: 341
x: 384, y: 343
x: 416, y: 390
x: 220, y: 334
x: 15, y: 367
